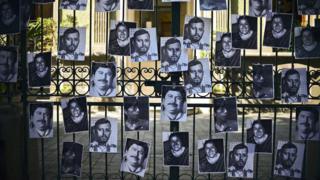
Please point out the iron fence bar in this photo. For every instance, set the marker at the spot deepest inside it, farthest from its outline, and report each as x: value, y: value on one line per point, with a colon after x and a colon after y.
x: 290, y: 125
x: 89, y: 136
x: 154, y: 141
x: 122, y: 138
x: 193, y: 140
x: 292, y: 32
x: 58, y: 143
x: 73, y: 62
x: 257, y: 154
x: 158, y: 40
x: 273, y: 139
x: 90, y: 60
x: 106, y: 154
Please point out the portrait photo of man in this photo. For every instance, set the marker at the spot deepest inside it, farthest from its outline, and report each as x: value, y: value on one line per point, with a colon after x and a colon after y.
x: 289, y: 159
x: 211, y: 156
x: 42, y: 1
x: 244, y: 32
x: 40, y: 120
x: 72, y: 42
x: 9, y: 17
x: 103, y: 79
x: 173, y: 55
x: 259, y: 8
x: 175, y: 148
x: 277, y: 32
x: 39, y: 69
x: 107, y: 6
x: 71, y: 159
x: 198, y: 77
x: 173, y: 103
x: 260, y: 134
x: 103, y: 137
x: 197, y: 33
x: 75, y: 114
x: 226, y: 55
x: 142, y: 5
x: 240, y: 160
x: 307, y: 43
x: 119, y: 40
x: 225, y: 114
x: 294, y: 85
x: 212, y: 5
x: 307, y: 125
x: 135, y: 157
x: 73, y: 4
x: 143, y: 44
x: 263, y: 83
x: 136, y: 113
x: 8, y: 64
x: 308, y: 7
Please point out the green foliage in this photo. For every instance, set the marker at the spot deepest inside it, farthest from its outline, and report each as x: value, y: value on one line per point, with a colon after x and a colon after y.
x: 35, y: 34
x: 68, y: 21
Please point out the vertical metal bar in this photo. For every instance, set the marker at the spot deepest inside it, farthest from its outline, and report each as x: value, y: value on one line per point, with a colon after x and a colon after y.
x: 122, y: 58
x: 122, y: 177
x: 42, y: 160
x: 274, y: 139
x: 257, y: 154
x: 58, y: 144
x: 73, y: 62
x: 90, y: 154
x: 106, y: 154
x: 158, y: 38
x: 290, y: 125
x: 154, y: 141
x: 58, y: 60
x: 193, y: 140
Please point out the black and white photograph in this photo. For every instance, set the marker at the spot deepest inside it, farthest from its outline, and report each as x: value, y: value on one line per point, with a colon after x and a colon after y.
x: 175, y: 148
x: 103, y: 79
x: 72, y: 44
x: 40, y: 120
x: 75, y: 116
x: 213, y: 5
x: 143, y: 44
x: 25, y: 10
x: 211, y: 156
x: 307, y: 123
x: 104, y: 136
x: 198, y: 77
x: 289, y: 159
x: 226, y: 55
x: 259, y: 8
x: 174, y: 1
x: 197, y: 33
x: 107, y: 5
x: 294, y: 85
x: 306, y: 42
x: 263, y: 83
x: 277, y: 32
x: 142, y: 5
x: 119, y: 39
x: 240, y: 160
x: 244, y: 32
x: 174, y: 57
x: 136, y: 113
x: 173, y: 103
x: 42, y: 1
x: 9, y: 17
x: 8, y: 64
x: 135, y: 157
x: 39, y: 69
x: 308, y: 7
x: 73, y: 4
x: 71, y: 159
x: 259, y: 132
x: 225, y: 114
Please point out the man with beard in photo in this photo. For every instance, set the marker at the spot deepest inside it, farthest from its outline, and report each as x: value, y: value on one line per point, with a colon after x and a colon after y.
x: 194, y: 78
x: 237, y: 161
x: 307, y: 127
x: 193, y: 33
x: 290, y: 87
x: 140, y: 46
x: 277, y: 35
x: 244, y: 37
x: 227, y: 56
x: 171, y: 53
x: 101, y: 132
x: 70, y: 41
x: 173, y: 105
x: 286, y: 157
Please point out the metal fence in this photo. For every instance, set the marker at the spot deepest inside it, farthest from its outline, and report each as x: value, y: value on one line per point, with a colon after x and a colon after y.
x: 147, y: 81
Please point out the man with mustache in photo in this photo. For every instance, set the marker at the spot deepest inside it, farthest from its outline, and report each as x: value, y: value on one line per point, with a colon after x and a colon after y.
x: 193, y: 33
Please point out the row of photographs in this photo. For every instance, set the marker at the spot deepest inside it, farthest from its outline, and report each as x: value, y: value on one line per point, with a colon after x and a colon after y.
x: 173, y: 108
x: 197, y: 78
x: 211, y: 156
x: 256, y: 7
